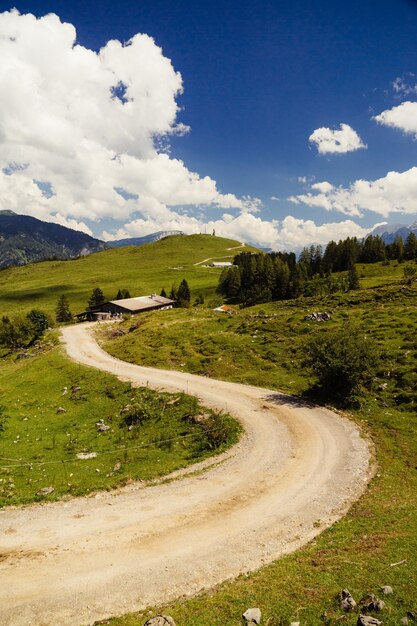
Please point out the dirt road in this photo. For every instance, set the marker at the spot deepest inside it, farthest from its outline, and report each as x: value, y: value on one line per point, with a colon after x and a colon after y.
x: 296, y: 470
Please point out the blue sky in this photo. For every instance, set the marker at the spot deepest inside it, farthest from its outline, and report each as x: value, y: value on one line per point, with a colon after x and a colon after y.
x: 263, y: 87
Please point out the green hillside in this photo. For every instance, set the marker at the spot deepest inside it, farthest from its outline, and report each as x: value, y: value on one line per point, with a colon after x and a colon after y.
x: 141, y: 270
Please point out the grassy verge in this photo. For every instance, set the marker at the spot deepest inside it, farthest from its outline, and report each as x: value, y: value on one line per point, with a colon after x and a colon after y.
x: 263, y: 346
x: 51, y: 411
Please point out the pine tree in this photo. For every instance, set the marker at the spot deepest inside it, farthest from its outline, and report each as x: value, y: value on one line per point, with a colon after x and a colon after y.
x: 184, y: 294
x: 163, y: 293
x: 353, y: 278
x: 410, y: 247
x: 96, y: 298
x: 39, y: 321
x: 62, y: 311
x: 173, y: 293
x: 122, y: 294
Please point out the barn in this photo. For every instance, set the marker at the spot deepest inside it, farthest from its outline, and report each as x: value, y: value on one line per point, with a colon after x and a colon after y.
x: 129, y: 306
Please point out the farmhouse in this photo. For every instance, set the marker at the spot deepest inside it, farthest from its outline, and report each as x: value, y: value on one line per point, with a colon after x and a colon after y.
x: 221, y: 264
x: 131, y: 306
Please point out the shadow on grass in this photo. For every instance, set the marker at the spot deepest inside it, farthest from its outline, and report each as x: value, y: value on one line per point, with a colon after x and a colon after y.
x: 36, y: 294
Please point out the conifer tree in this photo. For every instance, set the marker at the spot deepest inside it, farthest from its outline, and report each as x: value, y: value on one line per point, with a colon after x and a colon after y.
x: 96, y: 298
x: 410, y: 248
x: 163, y: 293
x: 122, y: 294
x: 184, y: 294
x: 62, y: 311
x: 353, y: 278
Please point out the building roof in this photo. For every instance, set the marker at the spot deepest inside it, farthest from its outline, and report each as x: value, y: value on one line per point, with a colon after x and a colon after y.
x: 225, y: 309
x: 142, y: 302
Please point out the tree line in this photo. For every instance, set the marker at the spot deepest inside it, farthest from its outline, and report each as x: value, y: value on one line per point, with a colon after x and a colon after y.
x: 257, y: 277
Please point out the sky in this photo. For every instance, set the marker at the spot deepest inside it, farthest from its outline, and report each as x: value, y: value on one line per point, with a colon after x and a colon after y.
x: 282, y: 123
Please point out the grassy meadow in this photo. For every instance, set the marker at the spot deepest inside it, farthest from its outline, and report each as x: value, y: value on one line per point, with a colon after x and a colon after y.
x: 376, y: 543
x: 50, y: 413
x: 140, y: 269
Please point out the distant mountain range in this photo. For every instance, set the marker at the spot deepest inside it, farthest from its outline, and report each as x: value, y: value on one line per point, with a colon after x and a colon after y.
x: 25, y: 239
x: 139, y: 241
x: 388, y: 232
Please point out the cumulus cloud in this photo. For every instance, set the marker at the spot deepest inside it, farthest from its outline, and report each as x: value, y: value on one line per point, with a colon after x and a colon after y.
x: 81, y: 131
x: 394, y: 193
x: 328, y: 141
x: 287, y: 234
x: 403, y: 117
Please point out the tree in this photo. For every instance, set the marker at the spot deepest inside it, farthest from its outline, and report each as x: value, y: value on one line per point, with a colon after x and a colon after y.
x: 344, y: 361
x: 62, y: 311
x: 173, y: 294
x: 410, y: 274
x: 16, y: 333
x: 184, y: 294
x: 163, y: 293
x: 39, y: 321
x: 353, y: 278
x: 122, y: 294
x: 96, y: 298
x: 410, y: 248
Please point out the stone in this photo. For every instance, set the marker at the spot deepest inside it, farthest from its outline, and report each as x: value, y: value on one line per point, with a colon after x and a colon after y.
x: 75, y: 388
x: 61, y: 409
x: 387, y: 590
x: 160, y: 620
x: 347, y: 603
x: 368, y: 620
x: 102, y: 428
x: 404, y: 621
x: 83, y: 456
x: 252, y: 616
x: 45, y: 491
x: 372, y: 603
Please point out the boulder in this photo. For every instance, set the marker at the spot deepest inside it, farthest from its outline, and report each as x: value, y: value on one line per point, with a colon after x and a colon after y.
x: 372, y: 603
x: 45, y: 491
x: 368, y: 620
x: 61, y: 409
x: 252, y: 616
x: 160, y: 620
x: 387, y: 590
x: 347, y: 603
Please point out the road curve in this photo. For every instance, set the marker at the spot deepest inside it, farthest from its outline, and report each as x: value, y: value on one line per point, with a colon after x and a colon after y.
x: 296, y: 470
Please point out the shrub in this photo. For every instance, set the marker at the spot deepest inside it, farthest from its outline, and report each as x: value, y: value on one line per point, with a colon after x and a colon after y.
x: 344, y: 362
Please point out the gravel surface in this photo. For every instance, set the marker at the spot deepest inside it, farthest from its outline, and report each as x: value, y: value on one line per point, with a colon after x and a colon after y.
x: 295, y: 471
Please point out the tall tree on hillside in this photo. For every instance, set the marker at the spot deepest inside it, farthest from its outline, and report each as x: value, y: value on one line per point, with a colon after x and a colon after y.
x: 122, y: 294
x: 163, y: 293
x: 173, y: 294
x: 353, y: 278
x: 62, y: 311
x: 410, y: 248
x: 184, y: 294
x: 96, y: 298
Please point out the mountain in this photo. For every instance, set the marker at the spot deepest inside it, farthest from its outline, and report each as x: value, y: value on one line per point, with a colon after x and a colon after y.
x: 388, y: 232
x: 25, y: 239
x: 139, y: 241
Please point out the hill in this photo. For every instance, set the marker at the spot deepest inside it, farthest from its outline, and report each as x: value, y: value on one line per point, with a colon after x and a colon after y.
x: 141, y: 270
x: 140, y: 241
x: 25, y: 239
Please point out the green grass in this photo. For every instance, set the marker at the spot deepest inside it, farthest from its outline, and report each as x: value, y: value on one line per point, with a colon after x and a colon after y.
x: 39, y: 444
x: 141, y: 270
x: 263, y: 346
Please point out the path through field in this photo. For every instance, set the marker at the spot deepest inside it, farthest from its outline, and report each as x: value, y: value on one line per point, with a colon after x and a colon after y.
x: 295, y: 471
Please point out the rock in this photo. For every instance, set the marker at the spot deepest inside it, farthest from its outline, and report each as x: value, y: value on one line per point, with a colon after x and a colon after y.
x: 347, y: 603
x: 160, y: 620
x: 368, y: 620
x: 83, y: 456
x: 404, y: 621
x: 61, y: 409
x: 116, y: 467
x: 65, y: 391
x: 387, y: 590
x: 75, y: 388
x: 412, y: 615
x: 318, y: 317
x: 23, y: 355
x: 117, y: 333
x: 102, y: 428
x: 372, y: 603
x: 295, y: 624
x: 252, y: 616
x: 45, y: 491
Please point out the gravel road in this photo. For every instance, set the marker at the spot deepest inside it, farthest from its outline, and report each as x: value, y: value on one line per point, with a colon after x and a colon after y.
x: 296, y: 470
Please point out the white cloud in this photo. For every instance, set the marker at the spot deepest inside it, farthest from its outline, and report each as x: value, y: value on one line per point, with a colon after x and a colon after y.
x: 88, y: 124
x: 328, y: 141
x: 403, y: 117
x: 402, y: 85
x: 287, y: 234
x: 394, y: 193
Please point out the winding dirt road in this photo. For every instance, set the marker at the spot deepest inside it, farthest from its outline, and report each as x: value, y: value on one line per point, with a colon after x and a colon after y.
x: 296, y: 470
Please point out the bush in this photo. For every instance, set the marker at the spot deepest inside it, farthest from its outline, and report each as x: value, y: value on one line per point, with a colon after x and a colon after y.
x: 344, y: 361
